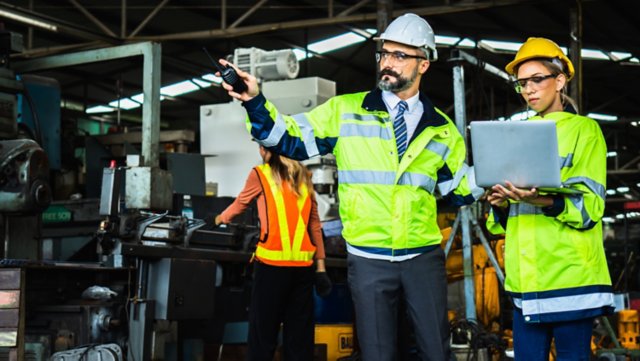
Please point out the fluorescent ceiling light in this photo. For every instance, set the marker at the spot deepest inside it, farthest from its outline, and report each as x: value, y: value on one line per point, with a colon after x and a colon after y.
x: 611, y: 192
x: 447, y: 40
x: 301, y: 54
x: 180, y: 88
x: 140, y: 97
x: 124, y: 103
x: 612, y: 154
x: 619, y: 216
x: 594, y: 54
x: 336, y: 42
x: 619, y: 55
x: 467, y: 43
x: 201, y: 83
x: 501, y: 45
x: 99, y: 109
x: 605, y: 117
x: 622, y: 189
x: 634, y: 60
x: 212, y: 78
x: 27, y: 20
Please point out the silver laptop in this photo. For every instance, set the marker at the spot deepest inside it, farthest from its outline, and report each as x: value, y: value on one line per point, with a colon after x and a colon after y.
x: 523, y: 153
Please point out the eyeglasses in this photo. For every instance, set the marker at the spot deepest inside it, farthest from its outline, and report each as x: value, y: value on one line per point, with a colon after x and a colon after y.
x: 520, y: 84
x: 397, y: 56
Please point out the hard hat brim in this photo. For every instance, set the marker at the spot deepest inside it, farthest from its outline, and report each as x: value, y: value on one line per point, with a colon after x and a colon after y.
x: 510, y: 68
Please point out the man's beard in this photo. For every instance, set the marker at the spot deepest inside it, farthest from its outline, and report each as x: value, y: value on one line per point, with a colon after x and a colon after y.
x: 401, y: 83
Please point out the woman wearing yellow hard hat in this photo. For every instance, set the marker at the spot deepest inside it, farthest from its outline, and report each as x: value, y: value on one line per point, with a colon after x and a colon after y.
x: 556, y: 270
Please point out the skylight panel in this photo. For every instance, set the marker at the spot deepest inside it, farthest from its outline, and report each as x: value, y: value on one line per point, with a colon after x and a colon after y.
x: 201, y: 83
x: 124, y: 103
x: 447, y: 40
x: 620, y: 55
x: 467, y: 43
x: 301, y: 54
x: 501, y: 45
x: 605, y: 117
x: 336, y: 42
x: 212, y: 78
x: 99, y: 109
x: 180, y: 88
x: 593, y: 54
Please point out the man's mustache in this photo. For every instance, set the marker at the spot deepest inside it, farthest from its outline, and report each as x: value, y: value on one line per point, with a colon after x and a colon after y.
x: 384, y: 72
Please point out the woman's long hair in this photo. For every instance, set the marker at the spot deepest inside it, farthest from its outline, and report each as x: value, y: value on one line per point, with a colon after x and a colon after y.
x: 292, y: 172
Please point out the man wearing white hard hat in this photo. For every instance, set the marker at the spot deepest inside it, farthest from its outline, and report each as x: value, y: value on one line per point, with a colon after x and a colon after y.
x: 395, y: 153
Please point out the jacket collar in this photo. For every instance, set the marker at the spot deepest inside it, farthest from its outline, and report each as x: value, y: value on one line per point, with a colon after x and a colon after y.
x: 430, y: 117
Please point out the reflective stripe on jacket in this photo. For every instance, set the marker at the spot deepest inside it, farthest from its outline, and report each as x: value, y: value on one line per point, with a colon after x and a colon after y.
x: 387, y: 206
x: 285, y: 240
x: 555, y: 263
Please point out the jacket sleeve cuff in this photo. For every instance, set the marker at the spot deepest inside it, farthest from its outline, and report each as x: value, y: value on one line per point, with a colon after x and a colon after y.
x: 556, y: 208
x: 501, y: 215
x: 254, y: 103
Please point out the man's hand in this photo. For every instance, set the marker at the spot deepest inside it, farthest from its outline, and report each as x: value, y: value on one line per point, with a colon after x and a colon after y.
x: 323, y: 284
x: 250, y: 80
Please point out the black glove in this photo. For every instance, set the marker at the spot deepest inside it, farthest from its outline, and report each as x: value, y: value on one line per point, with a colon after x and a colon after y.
x: 323, y: 284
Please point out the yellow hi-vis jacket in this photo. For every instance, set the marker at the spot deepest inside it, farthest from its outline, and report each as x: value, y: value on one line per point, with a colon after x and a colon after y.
x: 555, y: 263
x: 387, y: 206
x: 284, y: 240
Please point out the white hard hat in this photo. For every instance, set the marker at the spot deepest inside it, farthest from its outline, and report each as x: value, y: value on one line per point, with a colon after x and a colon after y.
x: 410, y: 29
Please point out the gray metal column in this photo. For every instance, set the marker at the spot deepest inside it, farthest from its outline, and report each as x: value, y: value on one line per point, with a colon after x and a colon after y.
x: 464, y: 214
x: 467, y: 264
x: 151, y: 105
x: 459, y: 100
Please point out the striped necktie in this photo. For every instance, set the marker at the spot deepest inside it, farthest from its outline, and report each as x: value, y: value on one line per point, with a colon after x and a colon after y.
x: 400, y: 128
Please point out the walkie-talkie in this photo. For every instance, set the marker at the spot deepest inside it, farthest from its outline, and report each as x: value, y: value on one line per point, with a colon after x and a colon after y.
x: 229, y: 75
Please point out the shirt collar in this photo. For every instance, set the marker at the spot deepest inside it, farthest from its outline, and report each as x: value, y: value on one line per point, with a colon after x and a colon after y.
x: 391, y: 100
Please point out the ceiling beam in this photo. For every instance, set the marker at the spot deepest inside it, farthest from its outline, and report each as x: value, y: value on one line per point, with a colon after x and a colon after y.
x: 151, y: 15
x: 93, y: 19
x: 44, y: 22
x: 355, y: 7
x: 298, y: 24
x: 247, y: 14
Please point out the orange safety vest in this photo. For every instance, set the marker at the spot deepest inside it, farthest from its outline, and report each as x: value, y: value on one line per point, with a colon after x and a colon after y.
x: 284, y: 239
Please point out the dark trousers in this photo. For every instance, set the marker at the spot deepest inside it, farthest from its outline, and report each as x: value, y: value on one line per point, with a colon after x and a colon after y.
x: 378, y: 286
x: 281, y: 295
x: 532, y: 341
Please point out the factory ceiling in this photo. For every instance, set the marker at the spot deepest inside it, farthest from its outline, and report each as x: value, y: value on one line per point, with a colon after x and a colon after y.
x: 609, y: 28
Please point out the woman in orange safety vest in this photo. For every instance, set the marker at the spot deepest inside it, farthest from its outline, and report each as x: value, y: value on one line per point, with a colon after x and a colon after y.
x: 290, y: 241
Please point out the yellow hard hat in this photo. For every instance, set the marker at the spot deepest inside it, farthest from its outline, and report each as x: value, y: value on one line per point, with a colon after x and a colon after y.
x: 540, y: 48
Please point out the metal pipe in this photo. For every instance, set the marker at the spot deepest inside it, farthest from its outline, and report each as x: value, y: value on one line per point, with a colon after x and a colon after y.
x: 123, y: 19
x: 452, y: 235
x: 487, y: 248
x: 223, y: 14
x: 485, y: 66
x: 575, y: 87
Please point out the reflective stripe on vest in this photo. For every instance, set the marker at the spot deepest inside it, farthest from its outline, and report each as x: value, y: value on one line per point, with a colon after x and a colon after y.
x: 280, y: 248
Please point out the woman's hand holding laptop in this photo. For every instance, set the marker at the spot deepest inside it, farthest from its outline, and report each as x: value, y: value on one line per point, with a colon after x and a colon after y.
x: 500, y: 195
